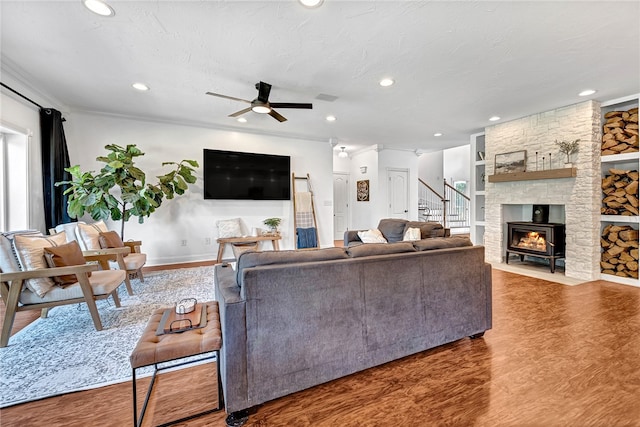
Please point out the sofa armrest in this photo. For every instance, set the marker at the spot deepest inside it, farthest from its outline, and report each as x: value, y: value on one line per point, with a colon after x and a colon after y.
x: 351, y: 236
x: 233, y: 353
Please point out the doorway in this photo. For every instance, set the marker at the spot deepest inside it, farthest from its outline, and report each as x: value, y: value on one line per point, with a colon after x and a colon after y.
x: 398, y: 180
x: 340, y: 204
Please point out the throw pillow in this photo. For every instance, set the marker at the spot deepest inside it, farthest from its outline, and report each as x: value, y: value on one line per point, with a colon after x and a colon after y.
x: 30, y: 251
x: 371, y: 236
x: 229, y: 228
x: 412, y: 234
x: 64, y: 256
x: 110, y: 239
x: 89, y: 234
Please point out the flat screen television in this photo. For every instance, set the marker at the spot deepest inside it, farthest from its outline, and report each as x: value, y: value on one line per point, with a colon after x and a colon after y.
x: 246, y: 176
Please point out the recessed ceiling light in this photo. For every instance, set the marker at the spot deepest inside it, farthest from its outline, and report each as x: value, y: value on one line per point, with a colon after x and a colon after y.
x: 311, y: 3
x: 331, y: 118
x: 587, y: 92
x: 242, y: 120
x: 140, y: 86
x: 437, y: 134
x: 494, y: 118
x: 386, y: 82
x: 99, y: 7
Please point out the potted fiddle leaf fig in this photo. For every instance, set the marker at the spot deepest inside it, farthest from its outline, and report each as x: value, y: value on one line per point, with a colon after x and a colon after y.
x: 120, y: 190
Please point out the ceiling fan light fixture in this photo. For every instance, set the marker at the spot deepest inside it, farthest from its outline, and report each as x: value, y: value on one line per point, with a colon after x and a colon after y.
x: 311, y: 4
x: 343, y: 154
x: 261, y: 109
x: 99, y: 7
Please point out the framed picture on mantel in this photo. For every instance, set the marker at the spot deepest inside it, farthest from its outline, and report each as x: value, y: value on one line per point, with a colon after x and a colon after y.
x: 514, y: 161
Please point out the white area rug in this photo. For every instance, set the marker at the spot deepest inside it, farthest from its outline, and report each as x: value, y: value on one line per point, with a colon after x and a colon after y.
x: 65, y: 353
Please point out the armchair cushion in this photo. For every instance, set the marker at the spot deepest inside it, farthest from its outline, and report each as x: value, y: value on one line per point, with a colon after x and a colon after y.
x: 64, y: 256
x: 89, y: 235
x: 110, y: 239
x: 30, y: 251
x: 102, y: 282
x: 8, y: 259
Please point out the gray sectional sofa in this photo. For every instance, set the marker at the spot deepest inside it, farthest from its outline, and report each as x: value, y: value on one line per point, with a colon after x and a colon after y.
x: 294, y: 319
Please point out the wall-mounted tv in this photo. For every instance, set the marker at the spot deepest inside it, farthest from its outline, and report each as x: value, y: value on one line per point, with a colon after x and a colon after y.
x: 246, y: 176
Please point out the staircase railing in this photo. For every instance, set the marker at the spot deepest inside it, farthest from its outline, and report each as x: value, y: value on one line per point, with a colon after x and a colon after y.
x: 452, y: 209
x: 459, y: 207
x: 431, y: 204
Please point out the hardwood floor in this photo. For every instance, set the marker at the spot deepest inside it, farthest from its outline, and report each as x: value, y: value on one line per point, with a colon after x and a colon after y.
x: 557, y: 356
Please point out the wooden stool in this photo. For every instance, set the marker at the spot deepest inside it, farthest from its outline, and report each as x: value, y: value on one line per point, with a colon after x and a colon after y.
x: 153, y: 349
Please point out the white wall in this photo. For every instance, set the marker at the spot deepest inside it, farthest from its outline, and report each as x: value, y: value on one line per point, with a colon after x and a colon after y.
x: 456, y: 162
x: 397, y: 159
x: 190, y: 217
x: 431, y: 169
x: 363, y: 214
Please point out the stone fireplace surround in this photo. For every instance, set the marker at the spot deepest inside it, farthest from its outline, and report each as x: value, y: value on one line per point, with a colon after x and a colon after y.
x: 574, y: 201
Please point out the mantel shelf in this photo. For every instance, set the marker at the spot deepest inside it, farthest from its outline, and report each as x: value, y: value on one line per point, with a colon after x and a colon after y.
x: 527, y: 176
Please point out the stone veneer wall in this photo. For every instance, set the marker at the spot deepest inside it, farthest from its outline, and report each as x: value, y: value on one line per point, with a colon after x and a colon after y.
x: 580, y: 195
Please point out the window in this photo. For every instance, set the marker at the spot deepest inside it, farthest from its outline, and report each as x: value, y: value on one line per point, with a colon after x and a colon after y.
x: 14, y: 179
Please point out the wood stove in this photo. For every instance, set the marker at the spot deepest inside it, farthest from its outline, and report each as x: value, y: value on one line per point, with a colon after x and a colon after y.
x: 539, y: 240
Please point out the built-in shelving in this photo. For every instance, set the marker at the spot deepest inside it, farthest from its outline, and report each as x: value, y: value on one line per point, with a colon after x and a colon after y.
x: 627, y: 161
x: 530, y: 176
x: 477, y: 190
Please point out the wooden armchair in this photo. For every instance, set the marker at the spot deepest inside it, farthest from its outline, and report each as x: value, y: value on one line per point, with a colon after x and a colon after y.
x: 17, y: 296
x: 88, y: 236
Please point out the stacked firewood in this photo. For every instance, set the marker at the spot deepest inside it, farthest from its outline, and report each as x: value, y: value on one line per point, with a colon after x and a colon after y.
x: 620, y: 132
x: 620, y: 188
x: 619, y: 251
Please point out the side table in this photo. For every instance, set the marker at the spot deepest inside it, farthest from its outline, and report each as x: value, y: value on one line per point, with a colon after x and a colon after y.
x: 248, y: 239
x: 153, y: 349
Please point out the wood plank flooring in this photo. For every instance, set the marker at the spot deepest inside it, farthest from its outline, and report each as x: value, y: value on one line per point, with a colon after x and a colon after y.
x: 557, y: 356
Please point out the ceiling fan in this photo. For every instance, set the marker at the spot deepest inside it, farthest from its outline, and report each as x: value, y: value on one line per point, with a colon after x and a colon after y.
x: 262, y: 105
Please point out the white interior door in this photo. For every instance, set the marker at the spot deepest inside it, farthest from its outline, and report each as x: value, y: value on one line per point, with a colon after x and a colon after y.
x: 398, y: 180
x: 340, y: 204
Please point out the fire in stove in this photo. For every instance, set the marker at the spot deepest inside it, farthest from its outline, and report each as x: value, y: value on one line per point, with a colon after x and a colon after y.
x: 533, y: 241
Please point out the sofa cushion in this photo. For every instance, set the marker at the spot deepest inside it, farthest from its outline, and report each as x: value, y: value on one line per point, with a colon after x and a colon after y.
x: 379, y: 249
x: 254, y: 259
x: 392, y: 229
x: 442, y: 243
x: 64, y: 256
x: 371, y: 236
x: 427, y: 229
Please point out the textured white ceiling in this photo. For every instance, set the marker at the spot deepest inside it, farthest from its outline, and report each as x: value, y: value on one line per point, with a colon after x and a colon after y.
x: 455, y: 63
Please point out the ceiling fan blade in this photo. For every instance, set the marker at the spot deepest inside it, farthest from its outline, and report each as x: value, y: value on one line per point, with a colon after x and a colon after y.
x: 241, y: 112
x: 228, y: 97
x: 291, y: 105
x: 279, y: 117
x: 263, y: 91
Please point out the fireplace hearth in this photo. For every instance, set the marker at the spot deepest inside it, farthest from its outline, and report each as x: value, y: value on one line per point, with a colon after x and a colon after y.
x: 534, y: 239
